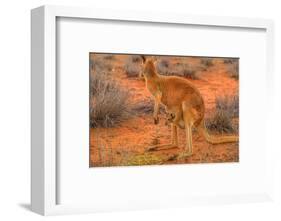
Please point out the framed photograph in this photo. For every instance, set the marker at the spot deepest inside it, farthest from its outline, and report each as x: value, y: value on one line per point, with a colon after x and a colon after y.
x: 152, y: 110
x: 138, y: 110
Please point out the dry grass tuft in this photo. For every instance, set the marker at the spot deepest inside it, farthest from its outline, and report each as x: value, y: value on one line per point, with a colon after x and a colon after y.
x: 108, y: 102
x: 142, y: 159
x: 100, y: 64
x: 221, y: 121
x: 228, y: 104
x: 207, y: 62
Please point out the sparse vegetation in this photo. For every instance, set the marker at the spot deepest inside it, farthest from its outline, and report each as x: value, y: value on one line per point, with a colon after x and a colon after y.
x: 229, y: 60
x: 228, y: 104
x: 164, y: 63
x: 221, y: 120
x: 136, y: 58
x: 232, y: 67
x: 142, y: 159
x: 126, y: 158
x: 164, y: 67
x: 133, y: 66
x: 189, y: 72
x: 233, y: 70
x: 207, y: 62
x: 109, y: 57
x: 108, y: 102
x: 99, y: 64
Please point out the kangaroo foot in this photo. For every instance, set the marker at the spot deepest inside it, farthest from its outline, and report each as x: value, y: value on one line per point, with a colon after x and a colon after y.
x: 184, y: 155
x: 172, y: 157
x: 161, y: 147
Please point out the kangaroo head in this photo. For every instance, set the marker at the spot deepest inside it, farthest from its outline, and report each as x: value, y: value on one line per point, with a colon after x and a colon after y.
x: 149, y: 69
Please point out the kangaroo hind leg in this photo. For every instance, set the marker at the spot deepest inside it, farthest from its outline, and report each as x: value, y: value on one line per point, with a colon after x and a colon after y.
x: 188, y: 118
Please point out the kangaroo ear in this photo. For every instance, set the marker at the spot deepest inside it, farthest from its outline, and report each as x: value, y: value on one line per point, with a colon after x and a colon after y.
x: 143, y: 58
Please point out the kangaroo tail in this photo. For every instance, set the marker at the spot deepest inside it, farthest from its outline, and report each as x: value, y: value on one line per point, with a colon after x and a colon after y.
x: 215, y: 139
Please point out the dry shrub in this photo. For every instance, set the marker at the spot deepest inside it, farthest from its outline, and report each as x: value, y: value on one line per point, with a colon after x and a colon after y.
x: 132, y: 70
x: 136, y: 58
x: 228, y: 104
x: 229, y: 60
x: 164, y: 67
x: 100, y: 64
x: 164, y: 63
x: 221, y: 120
x: 232, y: 67
x: 189, y: 72
x: 133, y: 66
x: 108, y: 57
x: 207, y: 62
x: 108, y: 102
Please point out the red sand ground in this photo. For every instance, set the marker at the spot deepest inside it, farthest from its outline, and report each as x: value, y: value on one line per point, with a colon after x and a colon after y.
x: 129, y: 141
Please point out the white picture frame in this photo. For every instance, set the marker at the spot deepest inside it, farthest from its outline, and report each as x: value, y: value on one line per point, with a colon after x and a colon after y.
x: 44, y: 191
